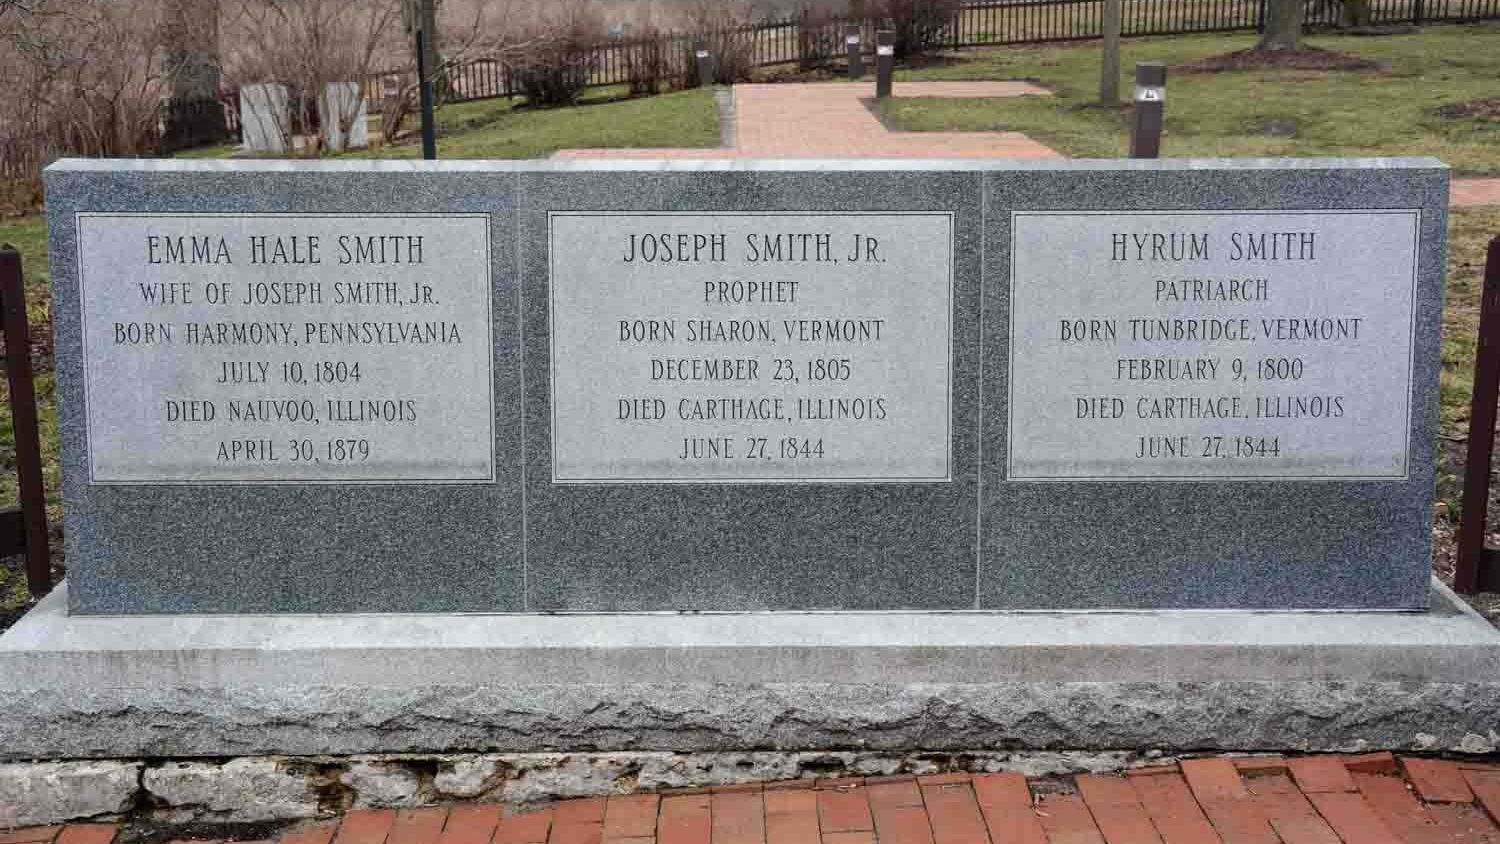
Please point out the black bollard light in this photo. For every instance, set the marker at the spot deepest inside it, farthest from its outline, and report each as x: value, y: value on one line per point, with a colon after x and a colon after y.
x: 855, y: 50
x: 705, y: 62
x: 885, y: 61
x: 1150, y: 97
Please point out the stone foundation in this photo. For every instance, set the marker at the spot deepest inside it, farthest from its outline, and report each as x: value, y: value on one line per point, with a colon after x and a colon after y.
x: 267, y: 788
x: 253, y: 717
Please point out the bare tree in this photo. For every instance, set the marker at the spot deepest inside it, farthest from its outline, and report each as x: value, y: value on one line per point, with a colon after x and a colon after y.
x: 505, y: 33
x: 307, y: 46
x: 82, y: 75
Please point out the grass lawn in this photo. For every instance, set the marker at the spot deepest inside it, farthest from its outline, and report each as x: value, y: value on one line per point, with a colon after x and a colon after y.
x: 505, y: 129
x: 29, y: 235
x: 1390, y: 111
x: 1469, y: 233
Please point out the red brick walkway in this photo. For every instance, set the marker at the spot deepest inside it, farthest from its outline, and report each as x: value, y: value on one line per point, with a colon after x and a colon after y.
x: 1466, y: 193
x: 833, y: 120
x: 1370, y: 799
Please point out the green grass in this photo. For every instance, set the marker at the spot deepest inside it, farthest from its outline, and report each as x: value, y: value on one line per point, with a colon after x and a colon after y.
x: 1390, y: 111
x: 214, y: 151
x: 506, y: 129
x: 1469, y: 233
x: 29, y: 236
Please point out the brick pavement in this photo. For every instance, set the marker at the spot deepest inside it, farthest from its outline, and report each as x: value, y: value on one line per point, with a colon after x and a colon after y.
x: 1467, y: 193
x: 1369, y: 799
x: 834, y: 120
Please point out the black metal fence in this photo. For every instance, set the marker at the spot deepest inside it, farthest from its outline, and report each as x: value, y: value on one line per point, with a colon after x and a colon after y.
x: 184, y: 124
x: 811, y: 42
x: 806, y: 41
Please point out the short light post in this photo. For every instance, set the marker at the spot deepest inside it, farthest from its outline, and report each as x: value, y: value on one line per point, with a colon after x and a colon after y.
x: 854, y: 48
x: 705, y: 61
x: 885, y: 62
x: 1150, y: 97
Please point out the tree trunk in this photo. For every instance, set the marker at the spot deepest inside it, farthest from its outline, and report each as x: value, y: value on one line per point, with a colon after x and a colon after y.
x: 1283, y: 25
x: 1109, y: 73
x: 191, y: 41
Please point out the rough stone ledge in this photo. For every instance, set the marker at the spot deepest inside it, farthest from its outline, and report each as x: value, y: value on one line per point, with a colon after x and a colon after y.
x: 254, y: 789
x: 894, y: 683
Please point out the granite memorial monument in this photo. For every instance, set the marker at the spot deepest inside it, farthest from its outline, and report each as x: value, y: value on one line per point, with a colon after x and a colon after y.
x: 541, y: 387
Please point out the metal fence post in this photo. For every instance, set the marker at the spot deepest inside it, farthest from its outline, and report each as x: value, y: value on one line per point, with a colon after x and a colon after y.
x: 23, y: 528
x: 1150, y: 92
x: 854, y: 49
x: 424, y: 83
x: 1476, y: 569
x: 885, y: 61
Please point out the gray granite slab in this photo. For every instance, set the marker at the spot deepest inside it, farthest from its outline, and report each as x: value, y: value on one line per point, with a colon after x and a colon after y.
x: 1326, y: 541
x: 430, y: 524
x: 855, y: 516
x: 737, y: 543
x: 75, y: 687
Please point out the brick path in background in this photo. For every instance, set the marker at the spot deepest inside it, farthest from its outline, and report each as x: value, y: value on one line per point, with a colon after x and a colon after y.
x: 833, y: 120
x: 1466, y: 193
x: 1370, y: 799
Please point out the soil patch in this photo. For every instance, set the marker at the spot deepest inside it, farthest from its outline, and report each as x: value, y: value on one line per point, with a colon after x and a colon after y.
x: 154, y: 832
x: 1307, y: 58
x: 1275, y: 127
x: 1487, y: 108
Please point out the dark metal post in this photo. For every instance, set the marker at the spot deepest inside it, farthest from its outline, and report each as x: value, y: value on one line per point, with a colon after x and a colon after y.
x: 23, y: 421
x: 1150, y: 92
x: 705, y: 61
x: 885, y: 61
x: 854, y: 48
x: 424, y: 85
x: 1416, y: 12
x: 1476, y: 570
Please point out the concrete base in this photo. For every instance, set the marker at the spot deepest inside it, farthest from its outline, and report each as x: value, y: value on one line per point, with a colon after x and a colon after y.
x: 224, y: 686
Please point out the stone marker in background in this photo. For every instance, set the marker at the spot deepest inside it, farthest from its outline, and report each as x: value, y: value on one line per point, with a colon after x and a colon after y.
x: 265, y: 118
x: 342, y: 112
x: 533, y: 387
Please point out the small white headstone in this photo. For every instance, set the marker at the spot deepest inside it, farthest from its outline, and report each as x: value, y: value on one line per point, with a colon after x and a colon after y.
x: 342, y: 105
x: 265, y: 120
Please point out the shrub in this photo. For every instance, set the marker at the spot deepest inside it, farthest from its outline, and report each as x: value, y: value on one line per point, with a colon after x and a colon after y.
x: 554, y: 77
x: 722, y: 29
x: 646, y: 63
x: 555, y: 66
x: 920, y: 25
x: 817, y: 40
